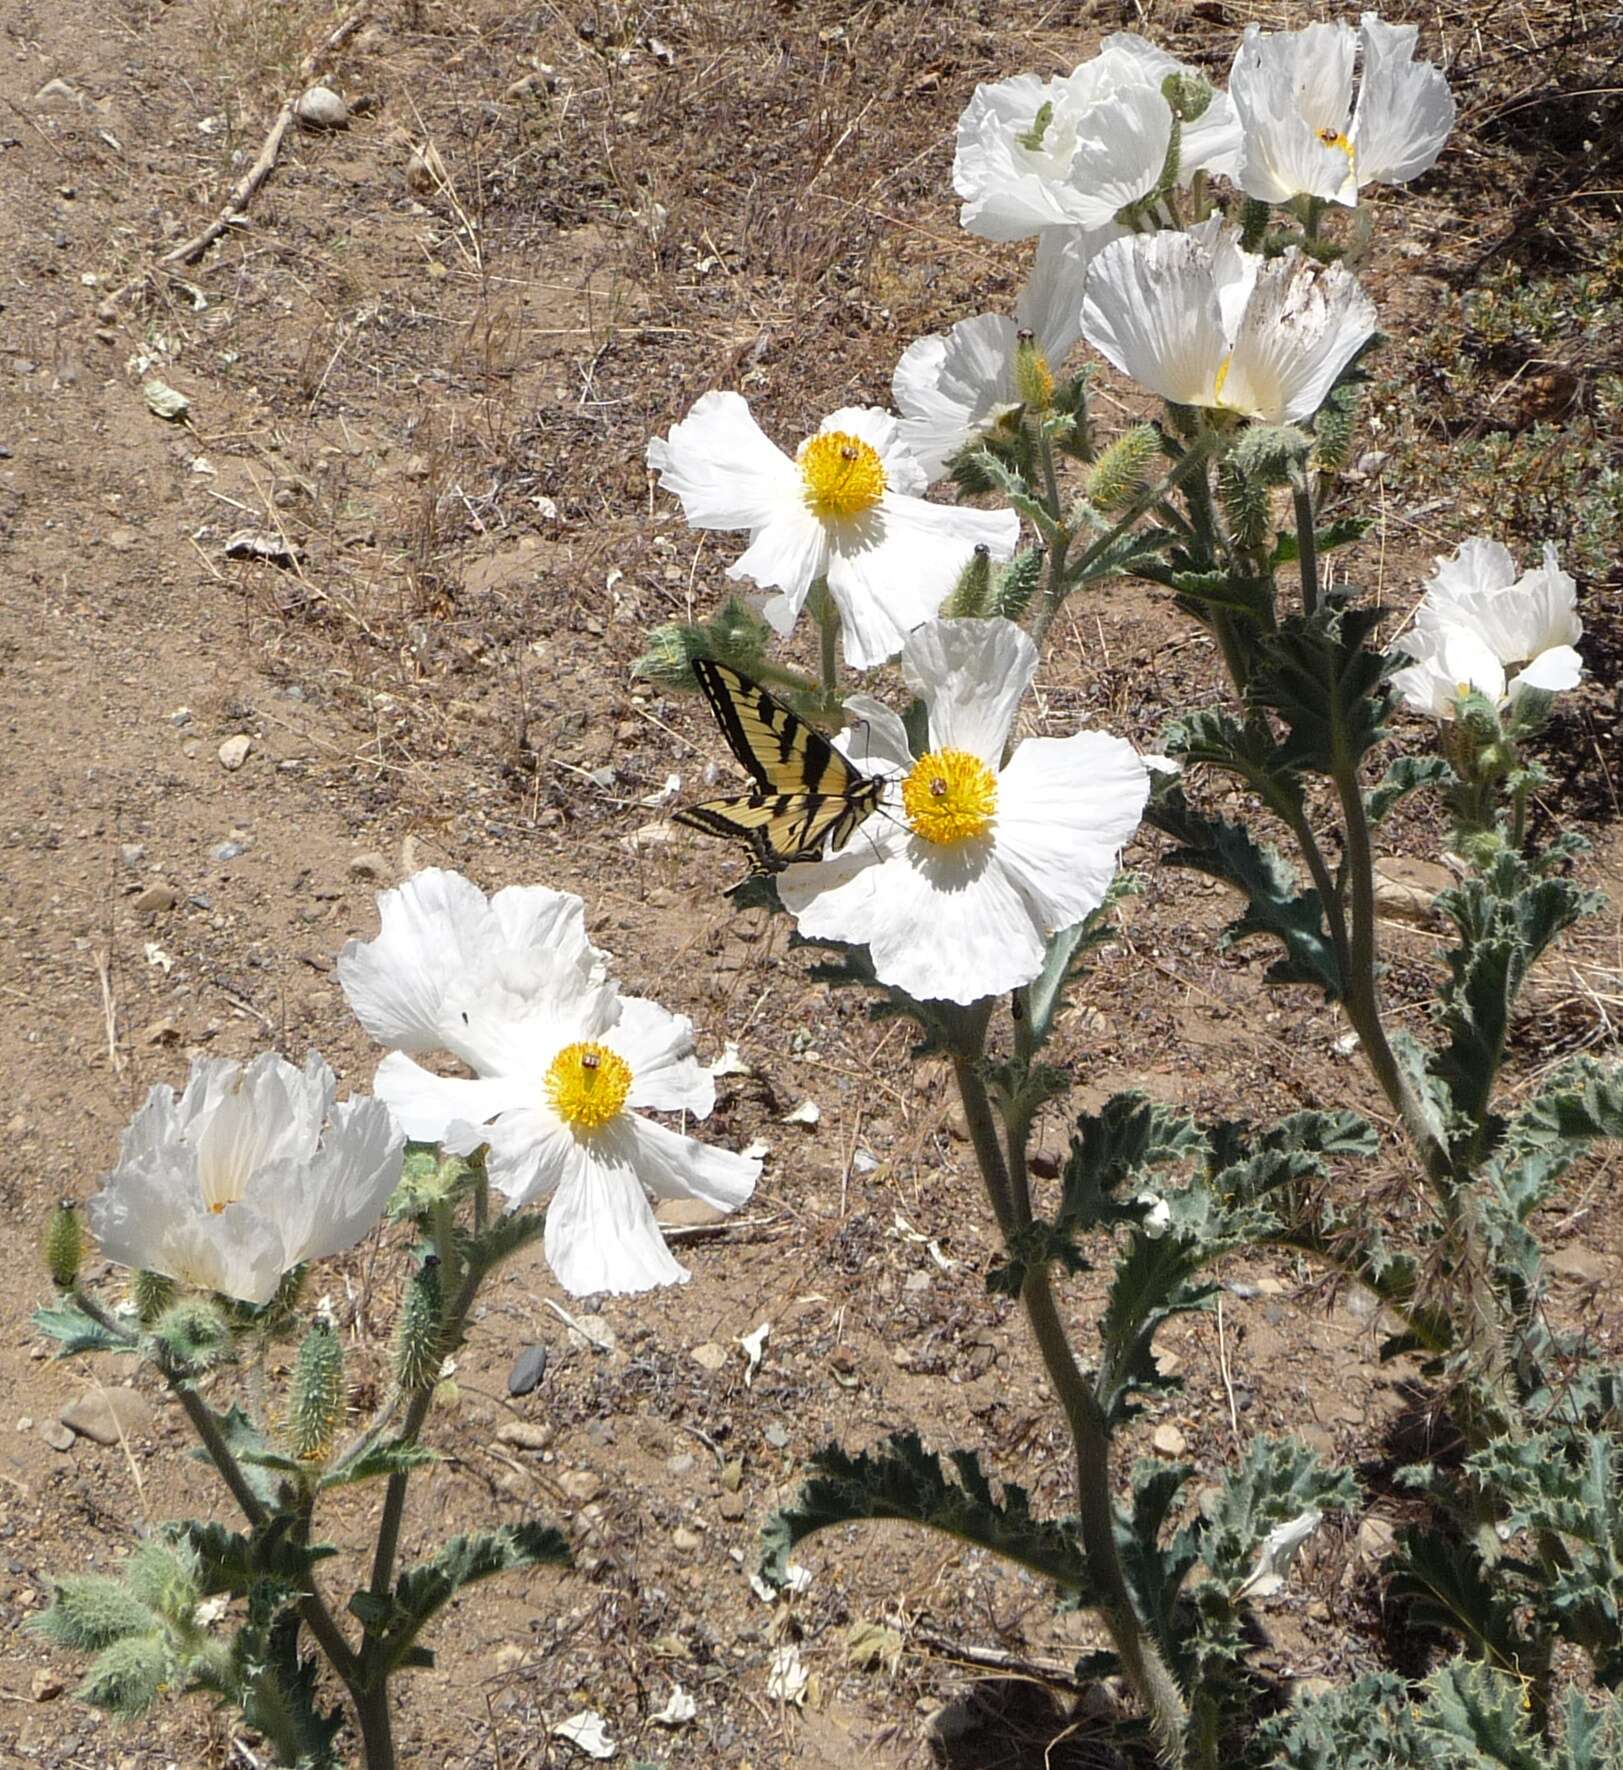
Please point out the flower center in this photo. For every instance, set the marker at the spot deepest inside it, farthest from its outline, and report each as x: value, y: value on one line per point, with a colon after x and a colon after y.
x: 950, y: 796
x: 587, y: 1084
x: 1334, y: 138
x: 843, y: 475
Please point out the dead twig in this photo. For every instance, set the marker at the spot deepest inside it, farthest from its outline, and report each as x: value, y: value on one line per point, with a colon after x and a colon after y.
x: 242, y: 192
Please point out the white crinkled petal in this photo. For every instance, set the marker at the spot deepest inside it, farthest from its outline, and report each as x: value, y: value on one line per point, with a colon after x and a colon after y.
x: 790, y: 554
x: 1468, y: 661
x: 1050, y: 305
x: 426, y: 1104
x: 950, y: 386
x: 534, y: 916
x: 1151, y: 308
x: 601, y: 1234
x: 1475, y: 567
x: 1011, y: 191
x: 1120, y: 154
x: 1286, y: 87
x: 1211, y: 143
x: 874, y: 740
x: 435, y: 928
x: 1555, y: 671
x: 1405, y: 109
x: 511, y: 1016
x: 727, y: 472
x: 658, y: 1046
x: 1066, y: 808
x: 971, y: 675
x: 529, y: 1151
x: 673, y: 1166
x: 893, y: 568
x: 1302, y: 327
x: 341, y: 1194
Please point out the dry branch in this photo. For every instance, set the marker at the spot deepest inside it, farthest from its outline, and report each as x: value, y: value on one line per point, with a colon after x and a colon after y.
x: 242, y: 193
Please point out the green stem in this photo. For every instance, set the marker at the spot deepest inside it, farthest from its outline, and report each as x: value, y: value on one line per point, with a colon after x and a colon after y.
x: 377, y: 1727
x: 1141, y: 1661
x: 828, y: 632
x: 1306, y: 541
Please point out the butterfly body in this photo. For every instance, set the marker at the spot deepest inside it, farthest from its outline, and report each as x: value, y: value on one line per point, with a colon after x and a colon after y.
x: 806, y: 795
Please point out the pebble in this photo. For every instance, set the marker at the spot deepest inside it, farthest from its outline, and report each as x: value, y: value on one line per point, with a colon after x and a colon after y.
x: 156, y: 897
x: 711, y: 1356
x: 686, y: 1540
x: 1168, y: 1440
x: 581, y: 1485
x: 680, y: 1464
x: 732, y: 1475
x: 528, y: 1369
x: 530, y: 1435
x: 56, y: 1435
x: 319, y: 107
x: 230, y: 850
x: 777, y: 1436
x: 132, y: 853
x: 106, y: 1415
x: 234, y: 751
x: 370, y: 865
x: 46, y: 1685
x: 732, y: 1507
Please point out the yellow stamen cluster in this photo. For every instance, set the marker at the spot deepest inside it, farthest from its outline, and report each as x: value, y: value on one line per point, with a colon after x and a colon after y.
x: 950, y: 796
x: 587, y: 1085
x: 843, y: 475
x: 1334, y: 138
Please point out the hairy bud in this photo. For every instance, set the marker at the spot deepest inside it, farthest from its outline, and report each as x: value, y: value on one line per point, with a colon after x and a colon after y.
x: 1033, y: 379
x: 969, y: 594
x: 316, y: 1394
x: 151, y: 1293
x: 192, y: 1335
x: 64, y: 1245
x: 419, y: 1333
x: 1118, y: 475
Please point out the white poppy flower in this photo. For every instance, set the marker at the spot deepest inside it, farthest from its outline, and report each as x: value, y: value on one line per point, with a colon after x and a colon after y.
x: 250, y: 1172
x: 844, y: 508
x: 953, y: 386
x: 1300, y: 133
x: 560, y: 1060
x: 970, y: 863
x: 1482, y: 627
x: 1072, y: 152
x: 1192, y: 317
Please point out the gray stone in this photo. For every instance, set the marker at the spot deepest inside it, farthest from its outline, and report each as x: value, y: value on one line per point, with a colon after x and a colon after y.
x: 155, y: 898
x: 319, y: 107
x: 234, y: 751
x: 528, y: 1369
x: 106, y: 1415
x: 229, y: 851
x: 56, y: 1435
x: 530, y: 1435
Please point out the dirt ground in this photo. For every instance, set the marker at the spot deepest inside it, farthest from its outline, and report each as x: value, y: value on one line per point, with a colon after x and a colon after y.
x: 425, y: 369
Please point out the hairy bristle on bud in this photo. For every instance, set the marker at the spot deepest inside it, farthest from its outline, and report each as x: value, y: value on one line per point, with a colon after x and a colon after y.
x: 316, y: 1395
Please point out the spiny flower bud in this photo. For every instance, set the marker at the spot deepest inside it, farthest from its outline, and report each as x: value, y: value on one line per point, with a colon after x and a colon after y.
x: 64, y: 1245
x: 317, y: 1394
x: 1117, y: 476
x: 419, y: 1334
x: 1033, y: 379
x: 967, y: 599
x: 151, y: 1293
x: 193, y: 1334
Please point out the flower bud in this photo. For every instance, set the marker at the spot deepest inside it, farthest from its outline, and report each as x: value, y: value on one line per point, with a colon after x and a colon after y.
x: 967, y: 599
x: 151, y: 1293
x: 64, y: 1245
x: 317, y: 1394
x: 1033, y: 379
x: 419, y: 1333
x: 1188, y: 95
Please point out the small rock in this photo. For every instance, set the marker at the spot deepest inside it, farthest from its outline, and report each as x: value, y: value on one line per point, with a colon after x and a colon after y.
x: 370, y: 865
x: 1406, y: 889
x: 532, y: 1435
x: 509, y: 1657
x: 46, y: 1685
x: 132, y: 853
x: 273, y: 549
x: 229, y: 851
x: 1582, y: 1263
x: 106, y: 1415
x: 155, y: 898
x: 1046, y: 1163
x: 680, y: 1464
x: 1376, y: 1538
x: 234, y: 751
x: 687, y: 1213
x: 56, y: 1435
x: 711, y: 1356
x: 319, y: 107
x: 1168, y: 1440
x: 732, y: 1475
x: 581, y: 1485
x: 777, y: 1436
x: 528, y: 1369
x: 686, y: 1540
x: 732, y: 1507
x: 161, y: 1032
x: 56, y: 94
x: 957, y: 1126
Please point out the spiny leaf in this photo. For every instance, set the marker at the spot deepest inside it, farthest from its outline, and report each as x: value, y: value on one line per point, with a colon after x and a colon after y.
x: 90, y: 1611
x: 1578, y: 1106
x: 1327, y: 682
x: 1445, y: 1589
x: 1275, y: 907
x: 904, y: 1483
x: 380, y: 1459
x: 1341, y: 533
x: 1277, y: 1480
x: 68, y: 1324
x: 1480, y: 1709
x: 1129, y: 1135
x: 1406, y: 775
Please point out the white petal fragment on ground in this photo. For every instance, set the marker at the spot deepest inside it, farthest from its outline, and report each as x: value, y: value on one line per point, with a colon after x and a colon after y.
x: 807, y: 1113
x: 754, y: 1347
x: 757, y: 1150
x: 729, y: 1063
x: 787, y: 1680
x: 1277, y: 1552
x: 587, y: 1731
x: 678, y: 1711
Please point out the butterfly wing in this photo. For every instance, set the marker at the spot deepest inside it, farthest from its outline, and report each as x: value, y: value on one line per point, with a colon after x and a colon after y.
x: 806, y: 794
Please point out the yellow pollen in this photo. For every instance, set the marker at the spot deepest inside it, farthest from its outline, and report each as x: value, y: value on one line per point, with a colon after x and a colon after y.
x: 587, y: 1085
x: 1333, y: 138
x: 950, y: 796
x: 843, y: 475
x: 1222, y: 377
